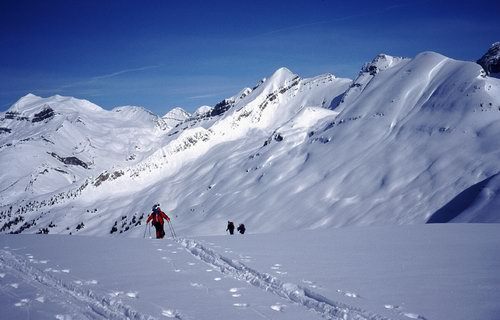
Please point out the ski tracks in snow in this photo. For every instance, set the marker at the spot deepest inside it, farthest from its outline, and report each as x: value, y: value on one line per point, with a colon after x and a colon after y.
x: 303, y: 296
x: 293, y: 292
x: 76, y: 300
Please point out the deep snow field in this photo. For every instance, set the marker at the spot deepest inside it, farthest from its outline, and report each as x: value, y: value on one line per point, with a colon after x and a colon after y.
x: 437, y: 271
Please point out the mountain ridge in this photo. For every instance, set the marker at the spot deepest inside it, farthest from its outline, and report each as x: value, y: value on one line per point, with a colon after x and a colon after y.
x: 326, y: 151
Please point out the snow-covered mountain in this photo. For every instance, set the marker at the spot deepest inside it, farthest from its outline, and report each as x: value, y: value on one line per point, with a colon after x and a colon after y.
x: 408, y: 141
x: 50, y: 143
x: 175, y: 116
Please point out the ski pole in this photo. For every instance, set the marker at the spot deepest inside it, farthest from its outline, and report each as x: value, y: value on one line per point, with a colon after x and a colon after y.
x: 170, y: 228
x: 175, y: 234
x: 145, y: 228
x: 172, y: 231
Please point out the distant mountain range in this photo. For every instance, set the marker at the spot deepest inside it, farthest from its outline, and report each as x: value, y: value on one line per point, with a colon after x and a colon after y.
x: 407, y: 141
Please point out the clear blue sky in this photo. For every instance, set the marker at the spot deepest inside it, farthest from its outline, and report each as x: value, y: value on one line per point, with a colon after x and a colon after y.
x: 160, y: 54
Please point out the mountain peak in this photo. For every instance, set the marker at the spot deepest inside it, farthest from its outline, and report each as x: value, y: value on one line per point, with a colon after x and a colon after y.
x: 30, y: 97
x: 282, y: 73
x: 175, y: 116
x: 177, y: 113
x: 381, y: 62
x: 202, y: 111
x: 279, y: 78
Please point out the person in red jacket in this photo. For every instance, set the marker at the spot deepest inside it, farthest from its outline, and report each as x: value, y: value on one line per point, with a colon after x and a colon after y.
x: 157, y: 217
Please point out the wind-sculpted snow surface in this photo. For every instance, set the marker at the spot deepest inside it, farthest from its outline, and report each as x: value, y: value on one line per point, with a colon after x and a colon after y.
x: 83, y: 303
x: 394, y: 146
x: 442, y: 271
x: 293, y: 292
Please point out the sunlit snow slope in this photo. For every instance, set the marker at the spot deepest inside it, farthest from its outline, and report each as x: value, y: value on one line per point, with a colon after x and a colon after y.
x: 408, y: 141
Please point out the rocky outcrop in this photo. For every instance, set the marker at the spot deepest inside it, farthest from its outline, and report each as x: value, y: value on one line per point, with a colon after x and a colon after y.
x: 70, y: 160
x: 490, y: 61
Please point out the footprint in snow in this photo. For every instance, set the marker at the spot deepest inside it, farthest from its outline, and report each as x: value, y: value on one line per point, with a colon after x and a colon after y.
x: 116, y: 293
x: 413, y: 316
x: 348, y: 294
x: 159, y: 249
x: 89, y: 282
x: 406, y: 314
x: 241, y: 305
x: 40, y: 299
x: 2, y: 275
x: 278, y: 307
x: 22, y: 303
x: 217, y: 279
x: 391, y: 307
x: 170, y: 313
x: 191, y: 263
x: 234, y: 292
x: 177, y: 270
x: 14, y: 285
x: 196, y: 285
x: 209, y: 270
x: 63, y: 317
x: 174, y: 252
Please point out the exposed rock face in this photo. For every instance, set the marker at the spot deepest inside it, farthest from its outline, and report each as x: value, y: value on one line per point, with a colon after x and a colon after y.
x: 46, y: 113
x: 490, y: 61
x: 74, y: 161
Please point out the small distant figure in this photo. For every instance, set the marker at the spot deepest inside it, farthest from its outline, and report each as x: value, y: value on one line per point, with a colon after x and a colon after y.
x: 230, y: 227
x: 241, y: 228
x: 156, y: 217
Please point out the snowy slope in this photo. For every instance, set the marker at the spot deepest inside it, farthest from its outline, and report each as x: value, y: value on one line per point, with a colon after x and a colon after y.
x: 401, y: 272
x: 394, y: 146
x: 50, y: 143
